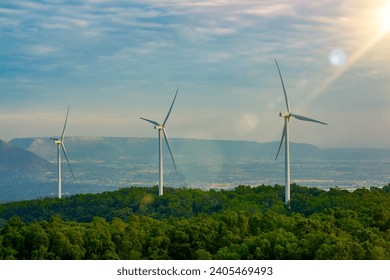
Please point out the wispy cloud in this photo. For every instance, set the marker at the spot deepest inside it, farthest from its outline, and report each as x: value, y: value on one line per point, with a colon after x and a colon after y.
x: 121, y: 55
x: 42, y: 49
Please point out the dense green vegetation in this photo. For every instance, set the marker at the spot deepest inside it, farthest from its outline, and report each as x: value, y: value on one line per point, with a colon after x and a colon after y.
x: 244, y: 223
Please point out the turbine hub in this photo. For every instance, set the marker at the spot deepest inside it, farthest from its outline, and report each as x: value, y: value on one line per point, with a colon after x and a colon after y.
x: 285, y: 114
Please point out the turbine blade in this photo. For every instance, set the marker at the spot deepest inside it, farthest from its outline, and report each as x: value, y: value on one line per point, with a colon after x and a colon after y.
x: 169, y: 148
x: 281, y: 141
x: 170, y: 109
x: 67, y: 159
x: 152, y: 122
x: 302, y: 118
x: 284, y: 89
x: 66, y: 120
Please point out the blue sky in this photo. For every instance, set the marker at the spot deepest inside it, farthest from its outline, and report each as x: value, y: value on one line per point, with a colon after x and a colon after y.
x: 115, y: 61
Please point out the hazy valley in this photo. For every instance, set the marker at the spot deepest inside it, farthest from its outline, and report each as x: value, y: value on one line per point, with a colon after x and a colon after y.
x: 109, y: 163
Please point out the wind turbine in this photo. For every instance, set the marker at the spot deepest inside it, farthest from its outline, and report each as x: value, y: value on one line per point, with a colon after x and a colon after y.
x: 285, y: 136
x: 60, y: 145
x: 161, y: 131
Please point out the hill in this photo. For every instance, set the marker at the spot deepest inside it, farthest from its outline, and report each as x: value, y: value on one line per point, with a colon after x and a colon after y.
x: 22, y: 173
x: 14, y: 159
x: 242, y: 223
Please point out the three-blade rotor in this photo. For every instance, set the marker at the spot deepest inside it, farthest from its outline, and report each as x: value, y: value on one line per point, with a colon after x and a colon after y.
x: 289, y: 114
x: 60, y: 141
x: 162, y: 127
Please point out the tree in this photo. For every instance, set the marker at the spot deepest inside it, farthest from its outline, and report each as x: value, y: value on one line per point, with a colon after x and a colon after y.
x: 97, y: 240
x: 36, y: 242
x: 13, y: 239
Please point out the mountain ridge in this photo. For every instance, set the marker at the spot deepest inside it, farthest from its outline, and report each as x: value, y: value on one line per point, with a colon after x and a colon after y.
x: 108, y: 163
x: 143, y: 147
x: 20, y: 160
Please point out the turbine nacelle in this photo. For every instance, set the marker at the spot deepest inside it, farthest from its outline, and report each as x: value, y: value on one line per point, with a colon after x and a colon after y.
x: 284, y: 114
x: 55, y: 140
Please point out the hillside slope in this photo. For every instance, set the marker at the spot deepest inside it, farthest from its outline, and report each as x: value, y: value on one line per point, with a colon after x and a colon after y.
x: 14, y: 159
x: 244, y: 223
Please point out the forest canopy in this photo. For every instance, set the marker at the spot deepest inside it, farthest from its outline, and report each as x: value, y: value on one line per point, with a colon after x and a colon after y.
x: 242, y: 223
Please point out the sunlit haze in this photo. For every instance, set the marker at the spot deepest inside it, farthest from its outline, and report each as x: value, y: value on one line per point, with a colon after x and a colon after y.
x: 115, y: 61
x: 384, y: 15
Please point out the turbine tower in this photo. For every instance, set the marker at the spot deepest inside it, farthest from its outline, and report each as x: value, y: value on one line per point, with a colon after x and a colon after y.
x: 61, y: 145
x: 161, y: 131
x: 286, y: 137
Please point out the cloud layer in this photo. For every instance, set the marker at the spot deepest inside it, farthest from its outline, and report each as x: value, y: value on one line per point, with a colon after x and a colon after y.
x: 115, y: 60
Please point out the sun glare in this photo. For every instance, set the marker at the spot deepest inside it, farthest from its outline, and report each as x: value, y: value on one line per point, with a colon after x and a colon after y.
x: 384, y: 16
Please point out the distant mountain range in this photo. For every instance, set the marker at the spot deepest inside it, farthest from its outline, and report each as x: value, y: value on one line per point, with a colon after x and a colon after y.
x: 118, y: 148
x: 144, y: 149
x: 28, y: 165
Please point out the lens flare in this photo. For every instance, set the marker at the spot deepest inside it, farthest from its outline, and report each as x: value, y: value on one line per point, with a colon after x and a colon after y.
x: 337, y: 58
